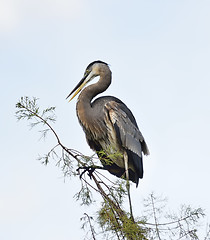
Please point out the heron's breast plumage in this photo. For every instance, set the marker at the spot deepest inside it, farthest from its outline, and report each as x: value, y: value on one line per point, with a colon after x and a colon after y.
x: 100, y: 133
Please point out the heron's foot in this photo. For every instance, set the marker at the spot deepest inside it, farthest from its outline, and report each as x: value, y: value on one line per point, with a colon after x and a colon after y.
x: 90, y: 171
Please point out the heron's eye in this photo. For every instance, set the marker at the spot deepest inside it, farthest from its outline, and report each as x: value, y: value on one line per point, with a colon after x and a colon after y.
x: 87, y: 71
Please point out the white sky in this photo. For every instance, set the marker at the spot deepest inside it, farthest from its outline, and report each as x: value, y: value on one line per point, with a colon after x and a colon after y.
x: 159, y: 53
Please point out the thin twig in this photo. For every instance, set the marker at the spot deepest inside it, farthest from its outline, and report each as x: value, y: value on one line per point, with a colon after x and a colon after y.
x: 91, y: 227
x: 155, y: 217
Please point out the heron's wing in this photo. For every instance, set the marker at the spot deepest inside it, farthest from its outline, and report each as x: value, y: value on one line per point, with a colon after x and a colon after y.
x: 126, y: 128
x: 128, y: 133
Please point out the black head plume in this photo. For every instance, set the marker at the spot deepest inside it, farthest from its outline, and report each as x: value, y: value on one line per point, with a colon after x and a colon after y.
x: 98, y: 61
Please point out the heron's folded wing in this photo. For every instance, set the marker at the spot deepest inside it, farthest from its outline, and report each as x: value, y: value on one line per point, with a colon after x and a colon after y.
x: 128, y: 134
x: 126, y: 128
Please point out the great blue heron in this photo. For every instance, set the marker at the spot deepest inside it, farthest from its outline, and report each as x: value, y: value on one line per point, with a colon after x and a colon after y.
x: 110, y: 127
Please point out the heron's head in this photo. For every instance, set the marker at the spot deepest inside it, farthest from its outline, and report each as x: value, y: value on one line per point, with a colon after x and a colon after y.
x: 93, y: 70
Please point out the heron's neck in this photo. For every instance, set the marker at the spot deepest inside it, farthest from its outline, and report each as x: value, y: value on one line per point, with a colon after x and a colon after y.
x: 85, y: 112
x: 93, y: 90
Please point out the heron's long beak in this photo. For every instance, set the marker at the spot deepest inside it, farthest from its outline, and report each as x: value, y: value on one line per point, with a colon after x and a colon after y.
x: 78, y: 88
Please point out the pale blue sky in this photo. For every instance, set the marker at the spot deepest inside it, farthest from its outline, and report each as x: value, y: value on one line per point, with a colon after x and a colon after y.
x: 159, y: 54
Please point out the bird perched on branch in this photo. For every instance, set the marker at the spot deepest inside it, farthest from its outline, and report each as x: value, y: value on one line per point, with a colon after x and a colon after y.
x: 110, y: 127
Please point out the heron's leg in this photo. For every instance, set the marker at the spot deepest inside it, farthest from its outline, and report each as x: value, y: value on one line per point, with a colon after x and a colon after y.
x: 127, y: 182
